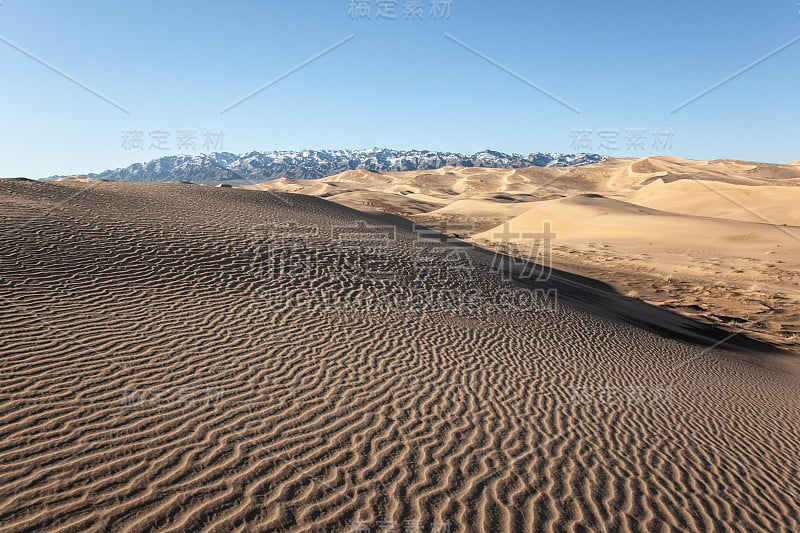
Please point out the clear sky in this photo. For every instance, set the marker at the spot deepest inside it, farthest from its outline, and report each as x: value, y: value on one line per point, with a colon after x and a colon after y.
x: 174, y: 66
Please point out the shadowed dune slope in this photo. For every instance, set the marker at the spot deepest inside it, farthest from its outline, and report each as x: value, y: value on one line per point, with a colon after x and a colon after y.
x: 179, y: 357
x: 664, y: 229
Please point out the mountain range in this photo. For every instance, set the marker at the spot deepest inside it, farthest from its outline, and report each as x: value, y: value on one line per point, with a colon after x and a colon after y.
x: 225, y: 167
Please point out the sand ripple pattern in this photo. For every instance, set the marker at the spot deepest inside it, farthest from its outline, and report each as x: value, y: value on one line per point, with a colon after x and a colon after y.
x: 153, y: 379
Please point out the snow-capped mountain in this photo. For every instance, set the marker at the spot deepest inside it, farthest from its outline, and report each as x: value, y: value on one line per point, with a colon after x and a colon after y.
x: 221, y: 167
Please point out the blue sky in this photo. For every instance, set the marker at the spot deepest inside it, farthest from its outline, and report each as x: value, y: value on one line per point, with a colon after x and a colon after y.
x: 397, y: 83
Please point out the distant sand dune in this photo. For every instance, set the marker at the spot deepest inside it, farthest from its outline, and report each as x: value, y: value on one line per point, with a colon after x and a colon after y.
x: 709, y: 268
x: 593, y: 218
x: 179, y: 357
x: 763, y: 204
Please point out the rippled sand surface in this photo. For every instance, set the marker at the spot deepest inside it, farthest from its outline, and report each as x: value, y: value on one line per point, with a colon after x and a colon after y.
x: 179, y: 357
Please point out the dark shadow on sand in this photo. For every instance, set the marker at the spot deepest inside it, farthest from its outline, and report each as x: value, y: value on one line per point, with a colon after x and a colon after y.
x: 596, y: 297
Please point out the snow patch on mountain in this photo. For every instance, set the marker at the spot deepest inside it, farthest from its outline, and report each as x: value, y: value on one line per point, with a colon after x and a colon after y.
x: 225, y: 167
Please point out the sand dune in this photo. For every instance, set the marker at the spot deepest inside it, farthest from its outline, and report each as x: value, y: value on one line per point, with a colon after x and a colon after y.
x: 179, y: 357
x: 594, y: 218
x: 704, y: 265
x: 763, y: 204
x: 613, y: 176
x: 691, y: 262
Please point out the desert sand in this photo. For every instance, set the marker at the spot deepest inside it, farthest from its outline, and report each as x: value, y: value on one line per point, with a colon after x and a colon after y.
x: 179, y: 357
x: 718, y: 241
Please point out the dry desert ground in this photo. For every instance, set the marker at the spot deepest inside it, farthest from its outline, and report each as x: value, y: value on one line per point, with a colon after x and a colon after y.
x: 180, y: 357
